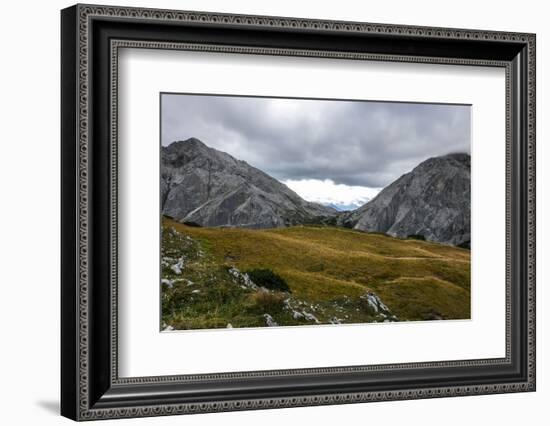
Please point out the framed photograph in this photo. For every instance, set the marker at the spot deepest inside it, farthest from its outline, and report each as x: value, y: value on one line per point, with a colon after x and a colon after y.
x: 263, y: 212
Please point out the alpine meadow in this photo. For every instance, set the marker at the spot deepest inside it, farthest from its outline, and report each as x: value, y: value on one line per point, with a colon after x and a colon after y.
x: 305, y: 212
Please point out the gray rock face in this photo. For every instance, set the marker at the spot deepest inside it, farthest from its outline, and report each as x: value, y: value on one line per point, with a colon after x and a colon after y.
x: 211, y: 188
x: 433, y: 201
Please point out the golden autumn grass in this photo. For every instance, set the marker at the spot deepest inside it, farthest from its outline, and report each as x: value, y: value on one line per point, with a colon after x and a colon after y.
x: 417, y: 280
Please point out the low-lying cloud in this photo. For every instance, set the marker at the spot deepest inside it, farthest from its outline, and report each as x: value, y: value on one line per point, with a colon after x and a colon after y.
x: 340, y: 196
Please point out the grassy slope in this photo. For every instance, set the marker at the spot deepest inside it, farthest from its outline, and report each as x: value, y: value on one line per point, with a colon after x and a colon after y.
x: 327, y: 269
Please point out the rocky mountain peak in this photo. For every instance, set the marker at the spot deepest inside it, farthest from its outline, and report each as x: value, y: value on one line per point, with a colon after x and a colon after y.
x: 211, y: 188
x: 432, y: 201
x: 186, y: 146
x: 458, y: 159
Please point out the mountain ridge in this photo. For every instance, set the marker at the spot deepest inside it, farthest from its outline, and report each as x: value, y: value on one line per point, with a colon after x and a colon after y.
x: 208, y: 187
x: 432, y: 201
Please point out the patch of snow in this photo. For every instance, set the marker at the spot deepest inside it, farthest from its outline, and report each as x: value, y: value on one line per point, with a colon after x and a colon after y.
x: 196, y: 291
x: 229, y: 325
x: 168, y: 328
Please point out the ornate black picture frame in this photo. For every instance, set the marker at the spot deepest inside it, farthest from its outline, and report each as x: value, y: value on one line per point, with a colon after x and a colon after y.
x: 91, y: 36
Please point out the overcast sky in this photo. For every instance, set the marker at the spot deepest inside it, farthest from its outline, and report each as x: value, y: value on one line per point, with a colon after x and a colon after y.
x: 322, y: 149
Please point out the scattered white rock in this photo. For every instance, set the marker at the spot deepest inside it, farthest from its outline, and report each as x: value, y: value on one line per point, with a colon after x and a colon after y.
x: 235, y: 272
x: 297, y: 315
x: 244, y: 279
x: 270, y: 321
x: 178, y: 267
x: 169, y: 283
x: 229, y: 325
x: 310, y: 317
x: 166, y: 260
x: 196, y: 291
x: 288, y: 306
x: 248, y: 282
x: 374, y: 303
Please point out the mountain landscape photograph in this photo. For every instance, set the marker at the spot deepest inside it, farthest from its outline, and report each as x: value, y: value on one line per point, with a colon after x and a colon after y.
x: 304, y: 212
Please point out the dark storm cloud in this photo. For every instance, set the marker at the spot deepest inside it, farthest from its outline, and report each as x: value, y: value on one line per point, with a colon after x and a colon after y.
x: 354, y: 143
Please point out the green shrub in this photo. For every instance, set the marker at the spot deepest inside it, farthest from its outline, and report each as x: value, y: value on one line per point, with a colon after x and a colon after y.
x: 268, y: 279
x: 417, y: 237
x: 192, y: 224
x: 348, y: 224
x: 464, y: 245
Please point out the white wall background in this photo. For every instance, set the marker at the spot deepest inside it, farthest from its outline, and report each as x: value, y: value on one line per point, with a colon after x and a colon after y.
x: 29, y: 213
